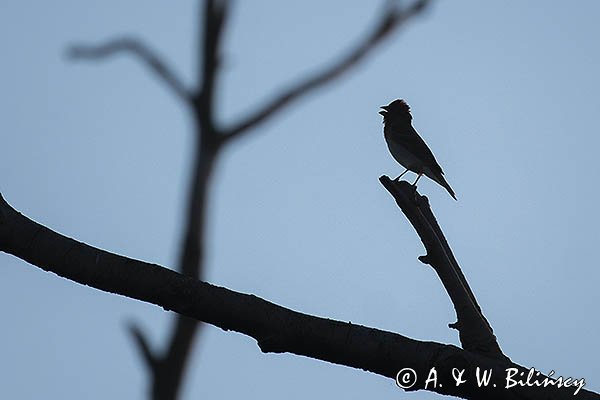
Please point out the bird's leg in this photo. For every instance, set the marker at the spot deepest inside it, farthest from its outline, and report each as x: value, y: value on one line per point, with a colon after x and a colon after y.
x: 417, y: 180
x: 400, y: 176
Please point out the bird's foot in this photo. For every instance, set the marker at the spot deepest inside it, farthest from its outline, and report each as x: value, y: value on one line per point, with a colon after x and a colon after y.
x: 417, y: 180
x: 397, y: 179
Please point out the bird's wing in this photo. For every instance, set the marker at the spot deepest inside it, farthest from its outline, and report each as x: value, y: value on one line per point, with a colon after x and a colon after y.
x: 410, y: 140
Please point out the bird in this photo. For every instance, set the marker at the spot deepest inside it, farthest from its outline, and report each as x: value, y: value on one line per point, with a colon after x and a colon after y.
x: 407, y: 147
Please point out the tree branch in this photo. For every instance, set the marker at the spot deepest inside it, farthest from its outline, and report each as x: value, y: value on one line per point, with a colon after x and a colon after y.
x: 168, y: 376
x: 391, y: 19
x: 138, y: 49
x: 275, y: 328
x: 475, y: 332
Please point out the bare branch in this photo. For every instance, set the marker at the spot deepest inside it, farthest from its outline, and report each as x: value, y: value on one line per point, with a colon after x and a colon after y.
x: 137, y: 49
x: 391, y: 19
x: 275, y: 328
x: 476, y: 333
x: 166, y: 381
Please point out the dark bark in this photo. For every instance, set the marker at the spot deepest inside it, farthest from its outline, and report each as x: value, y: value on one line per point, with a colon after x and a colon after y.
x: 475, y: 332
x: 275, y: 328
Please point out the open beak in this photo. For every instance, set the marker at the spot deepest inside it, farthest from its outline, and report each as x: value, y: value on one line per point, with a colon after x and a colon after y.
x: 384, y: 112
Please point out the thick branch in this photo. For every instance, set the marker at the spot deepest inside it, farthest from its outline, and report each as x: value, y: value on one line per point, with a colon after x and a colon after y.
x: 389, y: 21
x: 137, y: 49
x: 475, y: 332
x: 275, y: 328
x: 169, y: 374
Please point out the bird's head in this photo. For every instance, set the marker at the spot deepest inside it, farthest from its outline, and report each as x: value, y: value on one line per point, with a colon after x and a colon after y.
x: 396, y: 109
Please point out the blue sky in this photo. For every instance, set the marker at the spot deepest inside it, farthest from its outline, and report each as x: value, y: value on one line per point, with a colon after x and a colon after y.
x: 505, y: 94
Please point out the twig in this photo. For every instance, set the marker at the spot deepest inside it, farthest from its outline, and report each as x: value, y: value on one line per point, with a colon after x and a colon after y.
x: 142, y: 344
x: 390, y: 20
x: 137, y: 49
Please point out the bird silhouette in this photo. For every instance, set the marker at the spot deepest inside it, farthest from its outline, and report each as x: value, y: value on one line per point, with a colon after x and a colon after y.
x: 407, y: 147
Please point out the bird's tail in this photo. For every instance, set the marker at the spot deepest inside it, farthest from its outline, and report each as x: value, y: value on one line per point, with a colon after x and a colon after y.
x: 439, y: 178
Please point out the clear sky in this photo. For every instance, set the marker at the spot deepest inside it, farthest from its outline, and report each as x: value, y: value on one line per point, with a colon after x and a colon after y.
x: 505, y: 94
